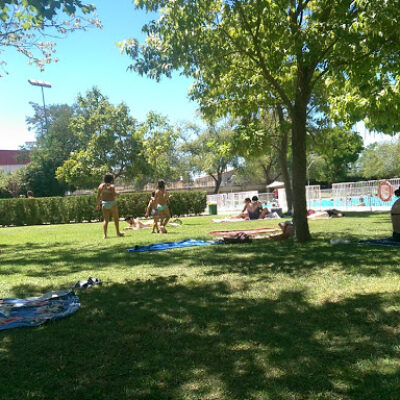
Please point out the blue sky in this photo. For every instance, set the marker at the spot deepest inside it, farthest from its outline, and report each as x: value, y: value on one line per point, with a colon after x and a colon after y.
x: 88, y: 59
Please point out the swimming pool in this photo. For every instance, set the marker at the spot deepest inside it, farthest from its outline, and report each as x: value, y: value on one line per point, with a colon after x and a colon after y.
x: 356, y: 201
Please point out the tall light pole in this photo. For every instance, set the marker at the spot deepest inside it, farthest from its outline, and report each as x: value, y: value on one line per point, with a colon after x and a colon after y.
x: 42, y: 84
x: 308, y: 177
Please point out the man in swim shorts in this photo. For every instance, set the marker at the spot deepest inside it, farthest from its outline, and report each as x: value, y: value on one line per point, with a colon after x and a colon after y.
x: 256, y: 210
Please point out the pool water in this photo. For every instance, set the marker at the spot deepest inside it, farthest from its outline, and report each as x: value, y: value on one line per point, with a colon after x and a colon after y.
x: 373, y: 201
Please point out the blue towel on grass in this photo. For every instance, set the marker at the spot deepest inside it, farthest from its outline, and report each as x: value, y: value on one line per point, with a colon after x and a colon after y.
x: 381, y: 242
x: 173, y: 245
x: 34, y: 311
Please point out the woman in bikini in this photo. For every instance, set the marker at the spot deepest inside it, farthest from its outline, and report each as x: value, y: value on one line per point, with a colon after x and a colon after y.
x: 161, y: 198
x: 245, y: 212
x: 106, y: 195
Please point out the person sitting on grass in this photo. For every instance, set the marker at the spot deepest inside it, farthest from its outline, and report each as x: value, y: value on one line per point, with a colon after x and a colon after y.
x: 152, y: 209
x: 256, y: 210
x: 161, y: 198
x: 106, y: 195
x: 252, y: 209
x: 244, y: 213
x: 287, y: 231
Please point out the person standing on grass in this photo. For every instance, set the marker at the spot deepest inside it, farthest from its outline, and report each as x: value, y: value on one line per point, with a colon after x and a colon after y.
x: 106, y: 195
x: 395, y: 215
x: 161, y: 198
x: 152, y: 209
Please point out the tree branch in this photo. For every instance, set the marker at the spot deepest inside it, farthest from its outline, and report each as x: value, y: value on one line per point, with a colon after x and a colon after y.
x: 267, y: 75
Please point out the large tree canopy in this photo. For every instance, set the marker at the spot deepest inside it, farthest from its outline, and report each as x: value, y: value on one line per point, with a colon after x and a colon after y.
x: 211, y: 151
x: 338, y: 148
x: 109, y: 141
x: 160, y: 142
x: 379, y: 161
x: 268, y: 52
x: 25, y: 24
x: 53, y: 147
x: 58, y: 140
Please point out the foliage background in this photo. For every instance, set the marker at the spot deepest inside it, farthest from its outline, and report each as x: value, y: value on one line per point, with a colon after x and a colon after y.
x: 61, y: 210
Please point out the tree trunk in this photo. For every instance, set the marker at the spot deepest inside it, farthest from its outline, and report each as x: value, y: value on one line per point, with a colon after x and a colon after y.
x: 299, y: 169
x: 218, y: 182
x: 283, y: 149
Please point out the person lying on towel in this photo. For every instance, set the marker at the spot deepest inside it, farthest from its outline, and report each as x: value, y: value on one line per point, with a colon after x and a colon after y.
x: 136, y: 224
x: 331, y: 213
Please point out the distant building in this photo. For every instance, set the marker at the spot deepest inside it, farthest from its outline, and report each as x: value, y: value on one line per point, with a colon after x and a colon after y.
x: 208, y: 181
x: 9, y: 160
x: 203, y: 182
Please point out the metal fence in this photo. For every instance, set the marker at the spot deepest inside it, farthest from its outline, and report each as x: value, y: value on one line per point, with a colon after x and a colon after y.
x: 228, y: 202
x: 233, y: 202
x: 350, y: 196
x: 346, y: 196
x: 267, y: 198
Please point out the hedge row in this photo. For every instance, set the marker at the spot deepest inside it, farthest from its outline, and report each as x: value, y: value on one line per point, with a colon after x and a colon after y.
x: 61, y: 210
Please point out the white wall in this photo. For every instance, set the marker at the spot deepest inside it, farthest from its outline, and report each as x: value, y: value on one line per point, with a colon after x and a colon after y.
x: 11, y: 168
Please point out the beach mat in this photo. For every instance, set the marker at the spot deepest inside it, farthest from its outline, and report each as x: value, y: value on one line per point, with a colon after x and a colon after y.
x: 248, y: 231
x: 380, y: 242
x: 34, y: 311
x: 173, y: 245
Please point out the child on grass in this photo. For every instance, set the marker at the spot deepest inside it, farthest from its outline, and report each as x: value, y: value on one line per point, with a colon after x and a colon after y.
x: 135, y: 224
x: 161, y: 198
x: 152, y: 209
x: 106, y: 195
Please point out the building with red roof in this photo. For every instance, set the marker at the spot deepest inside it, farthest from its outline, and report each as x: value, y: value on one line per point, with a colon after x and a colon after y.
x: 11, y: 160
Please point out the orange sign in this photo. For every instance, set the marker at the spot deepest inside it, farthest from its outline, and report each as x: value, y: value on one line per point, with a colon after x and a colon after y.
x: 385, y: 191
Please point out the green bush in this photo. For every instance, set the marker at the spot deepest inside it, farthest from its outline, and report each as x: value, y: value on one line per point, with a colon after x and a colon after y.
x: 134, y: 204
x: 5, y: 194
x: 187, y: 203
x: 60, y: 210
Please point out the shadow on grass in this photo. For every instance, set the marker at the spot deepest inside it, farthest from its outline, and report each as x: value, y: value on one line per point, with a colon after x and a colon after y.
x: 260, y: 259
x: 159, y: 339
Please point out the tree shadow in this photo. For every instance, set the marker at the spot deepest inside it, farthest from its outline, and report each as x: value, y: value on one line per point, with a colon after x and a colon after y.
x: 162, y: 339
x: 260, y: 259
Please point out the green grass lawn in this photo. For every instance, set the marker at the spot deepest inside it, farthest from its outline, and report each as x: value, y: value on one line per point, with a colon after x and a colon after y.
x: 264, y: 320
